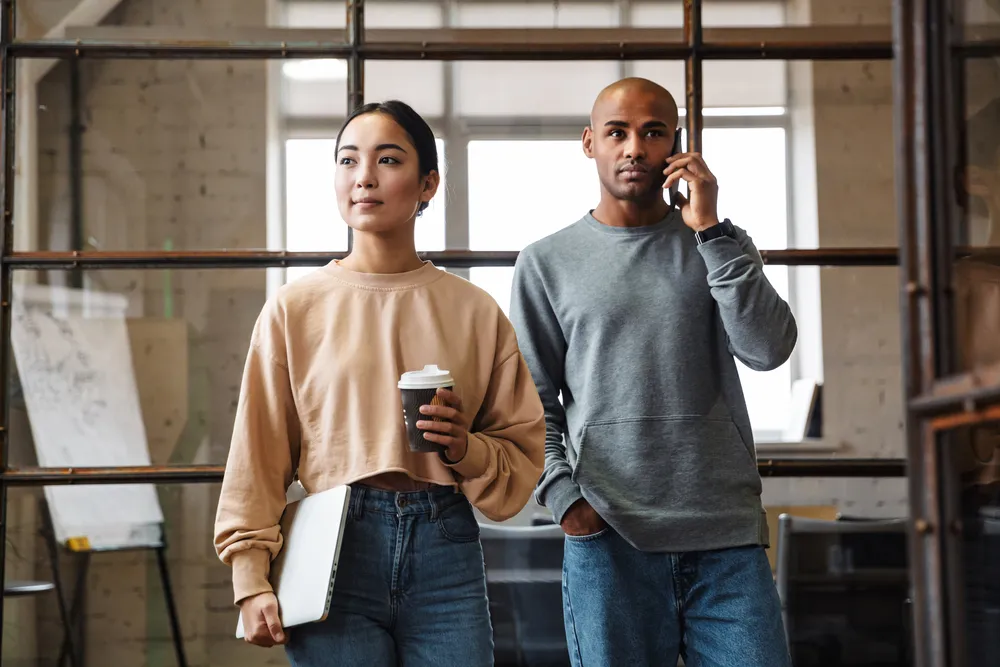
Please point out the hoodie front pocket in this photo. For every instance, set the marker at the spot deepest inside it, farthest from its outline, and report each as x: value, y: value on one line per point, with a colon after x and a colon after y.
x: 655, y: 463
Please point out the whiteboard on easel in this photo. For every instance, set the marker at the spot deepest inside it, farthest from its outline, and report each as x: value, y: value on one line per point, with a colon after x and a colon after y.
x: 75, y: 367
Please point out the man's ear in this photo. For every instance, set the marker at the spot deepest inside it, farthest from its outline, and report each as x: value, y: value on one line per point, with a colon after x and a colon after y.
x: 588, y: 142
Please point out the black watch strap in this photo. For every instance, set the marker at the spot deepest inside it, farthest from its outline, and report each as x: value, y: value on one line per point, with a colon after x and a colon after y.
x: 724, y: 228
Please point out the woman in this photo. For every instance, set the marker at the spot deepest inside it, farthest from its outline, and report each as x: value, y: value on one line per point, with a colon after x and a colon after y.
x: 319, y: 397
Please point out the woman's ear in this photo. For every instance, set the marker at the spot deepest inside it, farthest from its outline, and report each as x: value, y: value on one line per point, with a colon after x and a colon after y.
x: 431, y: 183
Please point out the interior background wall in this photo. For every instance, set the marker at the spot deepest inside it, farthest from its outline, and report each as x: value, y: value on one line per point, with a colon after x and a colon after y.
x: 843, y: 114
x: 174, y: 152
x: 173, y: 156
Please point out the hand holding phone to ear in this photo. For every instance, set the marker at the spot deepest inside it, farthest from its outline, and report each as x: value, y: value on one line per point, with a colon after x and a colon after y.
x: 700, y: 211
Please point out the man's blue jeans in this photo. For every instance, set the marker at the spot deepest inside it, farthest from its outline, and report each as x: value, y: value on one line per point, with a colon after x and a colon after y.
x: 410, y: 590
x: 622, y: 606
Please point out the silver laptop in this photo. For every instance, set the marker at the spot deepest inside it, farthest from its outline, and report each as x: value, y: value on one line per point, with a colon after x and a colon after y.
x: 303, y: 573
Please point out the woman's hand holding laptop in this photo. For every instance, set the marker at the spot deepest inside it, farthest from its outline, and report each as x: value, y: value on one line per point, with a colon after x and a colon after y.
x: 261, y: 622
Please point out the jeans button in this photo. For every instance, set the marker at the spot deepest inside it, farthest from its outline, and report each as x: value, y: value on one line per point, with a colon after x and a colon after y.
x: 402, y: 503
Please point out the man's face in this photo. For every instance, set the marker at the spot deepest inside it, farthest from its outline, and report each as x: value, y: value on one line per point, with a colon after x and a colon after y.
x: 630, y: 138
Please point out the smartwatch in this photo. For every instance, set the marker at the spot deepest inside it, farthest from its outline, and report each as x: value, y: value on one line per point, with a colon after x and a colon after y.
x: 724, y: 228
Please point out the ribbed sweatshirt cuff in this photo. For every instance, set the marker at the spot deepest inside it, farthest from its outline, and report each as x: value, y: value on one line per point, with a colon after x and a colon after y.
x: 720, y: 251
x: 560, y: 496
x: 251, y: 568
x: 476, y: 460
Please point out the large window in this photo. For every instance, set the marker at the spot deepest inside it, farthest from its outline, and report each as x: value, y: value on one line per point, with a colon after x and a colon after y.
x: 312, y: 220
x: 555, y: 185
x: 520, y: 192
x: 510, y: 141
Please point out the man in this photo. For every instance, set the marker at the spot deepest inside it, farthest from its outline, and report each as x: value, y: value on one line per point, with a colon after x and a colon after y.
x: 634, y: 314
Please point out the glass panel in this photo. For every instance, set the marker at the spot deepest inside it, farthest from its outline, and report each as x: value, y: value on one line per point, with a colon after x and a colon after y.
x: 201, y: 15
x: 667, y: 73
x: 174, y: 155
x: 127, y: 621
x: 313, y: 217
x: 981, y: 19
x: 171, y: 400
x: 573, y: 189
x: 315, y: 88
x: 500, y: 89
x: 740, y: 84
x: 976, y: 450
x: 536, y: 15
x: 377, y: 14
x: 125, y: 613
x: 979, y: 199
x: 419, y: 84
x: 714, y: 13
x: 841, y: 116
x: 405, y: 14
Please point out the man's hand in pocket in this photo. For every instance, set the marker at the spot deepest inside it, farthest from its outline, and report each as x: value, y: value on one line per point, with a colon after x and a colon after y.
x: 581, y: 520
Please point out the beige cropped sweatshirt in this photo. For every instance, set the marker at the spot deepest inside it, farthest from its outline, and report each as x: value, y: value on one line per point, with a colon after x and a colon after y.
x: 319, y: 397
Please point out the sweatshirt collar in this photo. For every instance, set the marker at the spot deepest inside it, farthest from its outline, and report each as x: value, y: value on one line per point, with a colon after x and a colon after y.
x: 389, y: 282
x: 599, y: 226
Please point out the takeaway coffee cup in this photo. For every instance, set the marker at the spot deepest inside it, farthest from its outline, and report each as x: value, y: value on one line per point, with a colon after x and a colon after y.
x: 419, y: 388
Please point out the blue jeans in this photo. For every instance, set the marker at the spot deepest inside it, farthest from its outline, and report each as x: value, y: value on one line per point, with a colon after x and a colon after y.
x: 410, y: 589
x: 623, y: 606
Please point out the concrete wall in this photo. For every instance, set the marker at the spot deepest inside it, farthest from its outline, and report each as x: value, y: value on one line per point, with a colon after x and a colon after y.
x: 843, y: 113
x: 174, y: 154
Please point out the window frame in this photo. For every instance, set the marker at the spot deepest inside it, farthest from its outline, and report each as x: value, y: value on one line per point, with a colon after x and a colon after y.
x: 457, y: 131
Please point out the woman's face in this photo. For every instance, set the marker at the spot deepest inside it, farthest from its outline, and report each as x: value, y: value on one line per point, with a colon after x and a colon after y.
x: 378, y: 182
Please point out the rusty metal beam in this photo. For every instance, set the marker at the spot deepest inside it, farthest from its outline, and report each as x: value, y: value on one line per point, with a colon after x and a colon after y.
x: 771, y: 467
x: 926, y: 120
x: 965, y: 392
x: 8, y: 140
x: 235, y: 259
x: 355, y: 69
x: 787, y: 42
x: 974, y: 417
x: 693, y: 84
x: 907, y: 98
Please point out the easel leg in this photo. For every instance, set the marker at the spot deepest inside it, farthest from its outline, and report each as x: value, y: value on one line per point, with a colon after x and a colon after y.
x: 168, y: 595
x: 76, y: 609
x: 69, y: 643
x: 73, y: 642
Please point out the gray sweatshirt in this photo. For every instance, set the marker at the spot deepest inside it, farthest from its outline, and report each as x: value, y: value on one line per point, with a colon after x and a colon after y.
x: 637, y: 329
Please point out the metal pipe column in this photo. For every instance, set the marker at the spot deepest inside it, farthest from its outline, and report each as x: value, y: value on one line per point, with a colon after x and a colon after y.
x: 355, y: 68
x: 8, y: 138
x: 692, y: 73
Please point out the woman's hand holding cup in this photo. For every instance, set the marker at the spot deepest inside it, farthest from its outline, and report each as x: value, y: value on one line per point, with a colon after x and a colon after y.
x: 447, y: 426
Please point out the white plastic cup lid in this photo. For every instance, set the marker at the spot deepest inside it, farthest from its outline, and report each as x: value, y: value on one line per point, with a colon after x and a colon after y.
x: 430, y: 377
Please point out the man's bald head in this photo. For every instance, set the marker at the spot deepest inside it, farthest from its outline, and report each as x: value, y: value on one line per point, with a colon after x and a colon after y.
x: 631, y: 134
x: 634, y: 91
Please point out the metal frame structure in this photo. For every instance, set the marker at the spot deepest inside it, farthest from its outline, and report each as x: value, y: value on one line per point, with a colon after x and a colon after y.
x: 924, y: 46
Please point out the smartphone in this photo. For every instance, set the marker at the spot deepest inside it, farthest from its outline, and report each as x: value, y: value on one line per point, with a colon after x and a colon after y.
x: 676, y: 186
